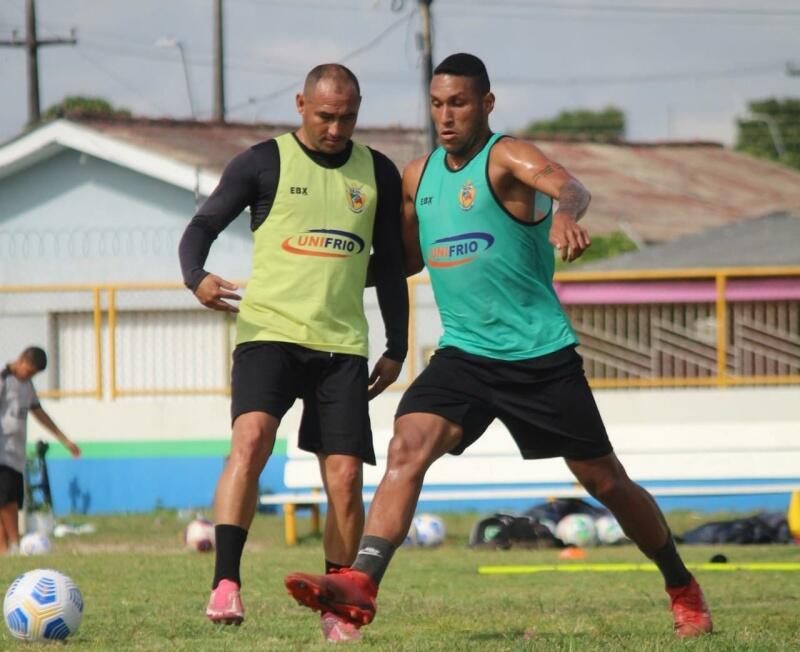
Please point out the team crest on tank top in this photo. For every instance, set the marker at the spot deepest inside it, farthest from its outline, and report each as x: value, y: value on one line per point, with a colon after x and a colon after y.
x: 466, y: 195
x: 355, y: 199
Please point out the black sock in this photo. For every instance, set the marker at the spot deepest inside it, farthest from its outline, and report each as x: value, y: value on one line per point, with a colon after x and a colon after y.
x: 230, y: 543
x: 671, y: 565
x: 331, y: 566
x: 374, y: 555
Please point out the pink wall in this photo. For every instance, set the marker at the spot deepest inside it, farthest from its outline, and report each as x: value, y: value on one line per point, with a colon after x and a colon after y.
x: 701, y: 291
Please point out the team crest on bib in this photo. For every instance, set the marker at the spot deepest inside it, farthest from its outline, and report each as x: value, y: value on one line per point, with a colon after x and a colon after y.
x: 355, y: 199
x: 466, y: 196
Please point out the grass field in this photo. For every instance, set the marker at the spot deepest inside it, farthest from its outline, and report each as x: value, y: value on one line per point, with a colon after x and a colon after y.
x: 144, y: 592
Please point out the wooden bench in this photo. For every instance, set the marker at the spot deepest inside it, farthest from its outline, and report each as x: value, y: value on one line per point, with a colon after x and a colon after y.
x: 703, y: 442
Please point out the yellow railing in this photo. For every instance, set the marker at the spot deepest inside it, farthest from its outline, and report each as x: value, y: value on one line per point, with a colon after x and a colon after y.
x: 721, y: 378
x: 721, y: 276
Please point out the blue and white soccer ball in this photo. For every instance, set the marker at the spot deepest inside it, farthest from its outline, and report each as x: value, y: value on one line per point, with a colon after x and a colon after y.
x: 430, y: 530
x: 577, y: 530
x: 43, y: 605
x: 609, y: 531
x: 34, y: 543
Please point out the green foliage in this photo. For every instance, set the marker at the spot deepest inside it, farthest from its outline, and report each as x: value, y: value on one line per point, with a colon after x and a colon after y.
x: 754, y: 135
x: 603, y: 246
x: 607, y: 124
x: 80, y: 106
x: 144, y: 592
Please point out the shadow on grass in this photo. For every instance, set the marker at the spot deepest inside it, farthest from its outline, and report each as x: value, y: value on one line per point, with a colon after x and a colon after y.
x: 525, y: 635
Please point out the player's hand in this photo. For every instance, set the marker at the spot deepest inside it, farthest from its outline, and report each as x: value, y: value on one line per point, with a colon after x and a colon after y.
x: 73, y: 449
x: 213, y: 289
x: 384, y: 374
x: 568, y: 237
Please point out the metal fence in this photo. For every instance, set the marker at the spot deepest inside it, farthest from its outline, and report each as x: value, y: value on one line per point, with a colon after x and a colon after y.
x: 737, y: 326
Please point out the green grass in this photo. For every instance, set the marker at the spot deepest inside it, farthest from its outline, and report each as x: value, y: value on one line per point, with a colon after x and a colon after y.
x: 144, y: 592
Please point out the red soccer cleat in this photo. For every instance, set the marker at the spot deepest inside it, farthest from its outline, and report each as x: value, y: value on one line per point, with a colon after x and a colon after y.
x: 347, y: 593
x: 689, y: 610
x: 225, y: 604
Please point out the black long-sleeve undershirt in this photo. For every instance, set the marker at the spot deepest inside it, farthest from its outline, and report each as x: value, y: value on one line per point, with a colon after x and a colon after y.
x: 251, y: 179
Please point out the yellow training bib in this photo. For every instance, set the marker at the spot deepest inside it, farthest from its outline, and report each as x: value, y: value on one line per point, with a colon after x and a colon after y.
x: 310, y: 255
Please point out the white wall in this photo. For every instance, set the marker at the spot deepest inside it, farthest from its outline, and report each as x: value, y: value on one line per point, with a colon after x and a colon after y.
x: 658, y: 434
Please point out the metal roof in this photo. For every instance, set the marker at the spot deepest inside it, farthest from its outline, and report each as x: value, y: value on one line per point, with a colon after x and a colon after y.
x: 657, y: 191
x: 772, y: 239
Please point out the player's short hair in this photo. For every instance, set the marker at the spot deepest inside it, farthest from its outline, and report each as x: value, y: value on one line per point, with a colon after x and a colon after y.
x: 466, y: 65
x: 334, y: 71
x: 36, y: 356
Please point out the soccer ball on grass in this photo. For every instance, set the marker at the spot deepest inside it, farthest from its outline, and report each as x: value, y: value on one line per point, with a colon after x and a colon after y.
x: 199, y: 535
x: 430, y: 530
x: 34, y: 543
x: 577, y: 530
x: 43, y: 605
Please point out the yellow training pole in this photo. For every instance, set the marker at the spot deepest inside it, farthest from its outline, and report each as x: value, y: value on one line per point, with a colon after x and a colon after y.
x: 623, y: 568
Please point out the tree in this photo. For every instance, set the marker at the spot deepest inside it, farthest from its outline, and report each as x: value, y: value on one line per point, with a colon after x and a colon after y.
x: 772, y: 131
x: 603, y: 246
x: 605, y: 125
x: 80, y: 106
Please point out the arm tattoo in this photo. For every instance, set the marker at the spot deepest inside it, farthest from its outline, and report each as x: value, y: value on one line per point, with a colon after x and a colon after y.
x: 573, y: 199
x: 548, y: 169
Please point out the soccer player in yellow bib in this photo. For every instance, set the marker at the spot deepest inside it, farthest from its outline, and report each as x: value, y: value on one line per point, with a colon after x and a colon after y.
x: 319, y: 204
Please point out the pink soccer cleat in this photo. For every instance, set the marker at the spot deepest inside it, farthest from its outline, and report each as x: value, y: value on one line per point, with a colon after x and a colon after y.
x: 338, y: 630
x: 225, y: 604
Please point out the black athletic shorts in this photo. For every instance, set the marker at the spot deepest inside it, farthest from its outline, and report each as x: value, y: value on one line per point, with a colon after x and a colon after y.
x: 12, y: 486
x: 544, y: 402
x: 270, y: 376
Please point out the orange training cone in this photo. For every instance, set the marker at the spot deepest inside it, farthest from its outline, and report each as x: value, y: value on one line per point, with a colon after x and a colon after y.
x: 793, y: 516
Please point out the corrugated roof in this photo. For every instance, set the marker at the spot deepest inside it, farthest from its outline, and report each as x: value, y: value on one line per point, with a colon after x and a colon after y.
x: 658, y: 191
x: 768, y: 240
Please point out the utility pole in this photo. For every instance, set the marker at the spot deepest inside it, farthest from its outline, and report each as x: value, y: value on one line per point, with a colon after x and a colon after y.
x: 427, y: 64
x: 32, y: 45
x: 219, y: 64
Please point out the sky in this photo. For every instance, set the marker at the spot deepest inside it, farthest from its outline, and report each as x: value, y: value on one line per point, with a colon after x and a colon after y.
x: 679, y: 69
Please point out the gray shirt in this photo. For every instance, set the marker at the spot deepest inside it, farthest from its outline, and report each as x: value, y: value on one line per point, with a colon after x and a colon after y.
x: 16, y: 398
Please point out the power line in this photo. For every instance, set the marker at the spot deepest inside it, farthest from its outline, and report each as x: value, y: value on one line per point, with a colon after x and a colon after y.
x: 351, y: 55
x: 122, y: 82
x: 32, y: 43
x: 686, y: 75
x: 635, y: 9
x: 395, y: 5
x: 130, y: 88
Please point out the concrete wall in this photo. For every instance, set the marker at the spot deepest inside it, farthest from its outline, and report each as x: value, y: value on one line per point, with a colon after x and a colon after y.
x: 142, y: 453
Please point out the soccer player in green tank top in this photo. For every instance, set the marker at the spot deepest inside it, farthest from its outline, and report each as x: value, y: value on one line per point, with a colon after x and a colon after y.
x: 478, y: 213
x: 319, y: 203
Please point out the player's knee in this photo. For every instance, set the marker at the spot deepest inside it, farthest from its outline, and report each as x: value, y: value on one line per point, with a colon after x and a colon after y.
x: 345, y: 479
x: 250, y: 445
x: 405, y: 455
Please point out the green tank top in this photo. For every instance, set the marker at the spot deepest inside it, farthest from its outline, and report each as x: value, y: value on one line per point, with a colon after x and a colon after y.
x: 492, y: 274
x: 310, y: 255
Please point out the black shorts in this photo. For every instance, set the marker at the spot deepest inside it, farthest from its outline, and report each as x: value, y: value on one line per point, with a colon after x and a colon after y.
x: 270, y: 376
x: 544, y: 402
x: 12, y: 486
